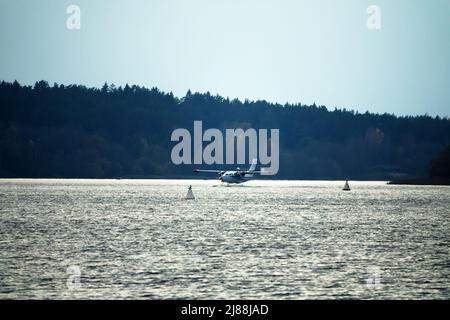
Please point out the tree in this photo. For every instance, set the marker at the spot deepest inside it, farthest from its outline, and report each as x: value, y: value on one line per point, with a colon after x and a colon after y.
x: 75, y: 131
x: 439, y: 167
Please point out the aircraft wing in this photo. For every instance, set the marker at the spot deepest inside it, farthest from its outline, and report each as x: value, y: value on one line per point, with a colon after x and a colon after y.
x: 213, y: 171
x: 251, y: 172
x: 256, y: 172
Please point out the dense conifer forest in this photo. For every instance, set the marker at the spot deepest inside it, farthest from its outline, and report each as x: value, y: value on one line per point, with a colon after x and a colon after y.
x: 109, y: 132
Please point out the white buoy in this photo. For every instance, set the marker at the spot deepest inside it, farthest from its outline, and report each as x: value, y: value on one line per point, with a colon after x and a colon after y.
x: 346, y: 186
x: 190, y: 194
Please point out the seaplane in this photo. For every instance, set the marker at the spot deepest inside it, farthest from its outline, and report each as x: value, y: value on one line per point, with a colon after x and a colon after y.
x: 238, y: 176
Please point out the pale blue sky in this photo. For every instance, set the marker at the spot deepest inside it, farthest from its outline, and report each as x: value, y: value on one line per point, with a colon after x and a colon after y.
x: 282, y: 51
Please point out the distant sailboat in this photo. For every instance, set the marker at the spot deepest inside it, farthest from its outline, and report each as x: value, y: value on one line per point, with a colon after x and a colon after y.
x: 346, y: 186
x: 190, y: 194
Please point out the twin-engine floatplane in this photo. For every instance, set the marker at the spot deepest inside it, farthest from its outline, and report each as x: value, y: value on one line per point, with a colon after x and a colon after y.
x: 238, y: 176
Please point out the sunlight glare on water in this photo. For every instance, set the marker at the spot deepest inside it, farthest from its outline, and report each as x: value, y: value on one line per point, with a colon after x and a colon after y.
x: 261, y: 240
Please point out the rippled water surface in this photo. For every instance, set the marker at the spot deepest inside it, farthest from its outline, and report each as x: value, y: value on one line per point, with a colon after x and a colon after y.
x: 265, y: 239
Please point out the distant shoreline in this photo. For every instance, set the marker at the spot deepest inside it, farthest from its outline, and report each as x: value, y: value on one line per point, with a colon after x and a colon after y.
x: 184, y: 178
x: 411, y: 181
x: 422, y: 181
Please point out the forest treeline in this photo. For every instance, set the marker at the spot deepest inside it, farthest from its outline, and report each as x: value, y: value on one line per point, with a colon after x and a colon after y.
x: 109, y: 132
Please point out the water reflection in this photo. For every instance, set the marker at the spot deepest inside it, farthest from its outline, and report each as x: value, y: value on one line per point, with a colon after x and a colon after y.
x: 275, y: 240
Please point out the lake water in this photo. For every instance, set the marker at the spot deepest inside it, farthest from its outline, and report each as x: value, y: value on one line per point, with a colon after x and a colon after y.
x: 261, y: 240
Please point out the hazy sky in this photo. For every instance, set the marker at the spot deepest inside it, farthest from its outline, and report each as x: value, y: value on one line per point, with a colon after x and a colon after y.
x: 282, y: 51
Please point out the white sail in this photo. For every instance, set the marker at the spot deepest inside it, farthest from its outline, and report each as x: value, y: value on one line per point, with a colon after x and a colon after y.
x: 190, y: 194
x: 346, y: 186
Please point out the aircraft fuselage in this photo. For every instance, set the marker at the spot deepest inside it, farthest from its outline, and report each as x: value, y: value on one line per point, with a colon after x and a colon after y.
x: 233, y: 177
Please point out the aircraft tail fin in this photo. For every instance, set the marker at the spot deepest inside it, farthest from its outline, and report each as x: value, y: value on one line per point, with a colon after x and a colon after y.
x: 252, y: 167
